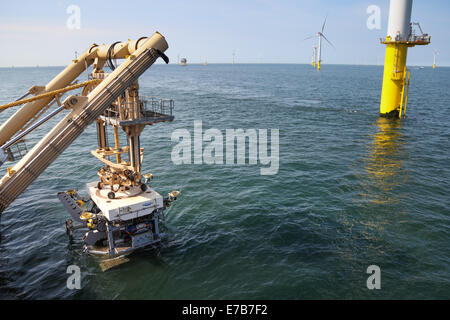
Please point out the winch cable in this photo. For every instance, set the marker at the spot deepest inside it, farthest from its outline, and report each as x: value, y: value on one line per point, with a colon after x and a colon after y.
x: 48, y: 94
x: 18, y: 99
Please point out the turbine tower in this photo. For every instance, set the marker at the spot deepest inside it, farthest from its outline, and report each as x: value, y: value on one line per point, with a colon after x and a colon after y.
x: 314, y: 56
x: 321, y: 35
x: 400, y: 37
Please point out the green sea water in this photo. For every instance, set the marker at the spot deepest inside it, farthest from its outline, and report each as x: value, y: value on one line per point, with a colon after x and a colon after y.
x: 352, y: 190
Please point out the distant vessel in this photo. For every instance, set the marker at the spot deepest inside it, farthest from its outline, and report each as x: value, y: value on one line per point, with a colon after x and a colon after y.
x: 183, y: 62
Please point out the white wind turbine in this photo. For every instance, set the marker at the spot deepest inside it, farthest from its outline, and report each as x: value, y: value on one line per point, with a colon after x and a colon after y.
x: 319, y: 51
x: 434, y: 61
x: 314, y: 56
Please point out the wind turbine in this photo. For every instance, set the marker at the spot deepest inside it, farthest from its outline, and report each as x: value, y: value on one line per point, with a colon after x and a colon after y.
x: 434, y: 63
x: 314, y: 62
x: 319, y: 51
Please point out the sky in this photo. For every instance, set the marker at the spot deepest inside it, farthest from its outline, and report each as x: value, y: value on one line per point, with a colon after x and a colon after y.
x: 257, y: 31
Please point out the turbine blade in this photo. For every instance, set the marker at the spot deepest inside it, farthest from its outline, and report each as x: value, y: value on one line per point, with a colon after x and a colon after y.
x: 328, y: 40
x: 323, y: 27
x: 309, y: 38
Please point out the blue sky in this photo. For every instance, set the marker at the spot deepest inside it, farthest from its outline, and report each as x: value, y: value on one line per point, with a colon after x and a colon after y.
x: 259, y: 31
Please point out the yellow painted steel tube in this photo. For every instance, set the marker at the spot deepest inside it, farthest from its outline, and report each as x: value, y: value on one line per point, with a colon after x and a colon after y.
x: 49, y: 94
x: 407, y: 93
x: 393, y: 79
x: 116, y: 142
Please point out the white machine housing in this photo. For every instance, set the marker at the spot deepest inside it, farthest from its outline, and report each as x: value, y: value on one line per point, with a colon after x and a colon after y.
x: 127, y: 205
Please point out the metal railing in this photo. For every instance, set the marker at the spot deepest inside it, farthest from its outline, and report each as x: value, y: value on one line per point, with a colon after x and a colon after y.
x: 157, y: 107
x: 416, y: 36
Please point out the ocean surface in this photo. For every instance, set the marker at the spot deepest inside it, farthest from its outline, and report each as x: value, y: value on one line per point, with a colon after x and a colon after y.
x: 352, y: 190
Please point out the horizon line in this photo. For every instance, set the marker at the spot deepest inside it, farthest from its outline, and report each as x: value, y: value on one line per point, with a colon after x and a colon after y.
x: 238, y: 63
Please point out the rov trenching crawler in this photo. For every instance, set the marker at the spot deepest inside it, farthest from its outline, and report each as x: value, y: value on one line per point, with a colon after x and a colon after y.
x: 122, y: 212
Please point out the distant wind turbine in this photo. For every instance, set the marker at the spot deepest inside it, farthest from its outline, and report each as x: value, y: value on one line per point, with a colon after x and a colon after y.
x: 435, y: 55
x: 314, y: 56
x: 319, y: 51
